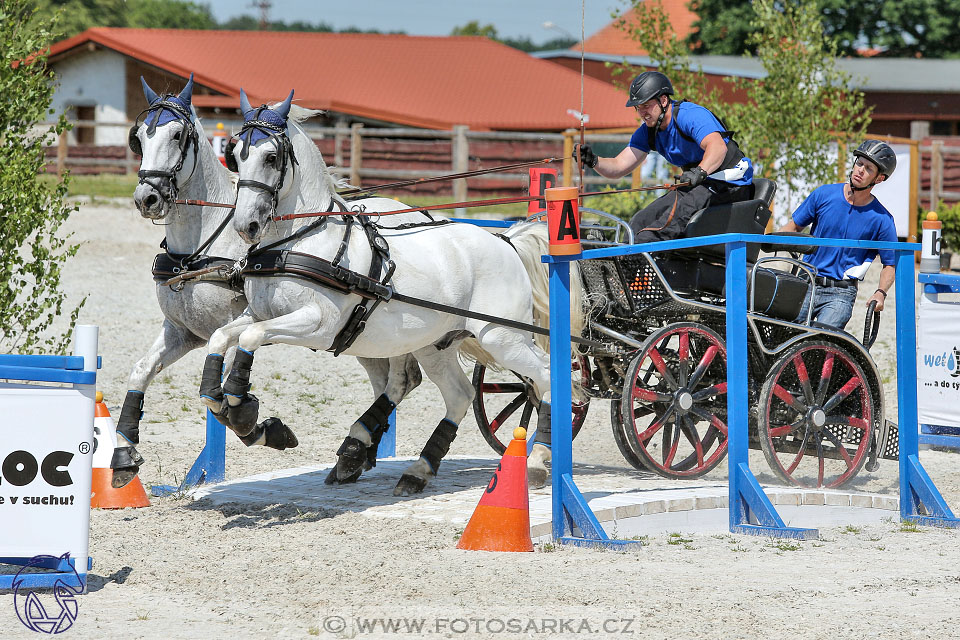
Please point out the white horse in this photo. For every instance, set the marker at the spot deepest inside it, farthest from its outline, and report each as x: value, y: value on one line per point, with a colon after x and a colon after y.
x: 179, y: 162
x: 458, y: 265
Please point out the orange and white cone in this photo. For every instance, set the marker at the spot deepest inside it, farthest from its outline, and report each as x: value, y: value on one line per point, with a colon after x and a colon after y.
x: 501, y: 522
x: 102, y: 494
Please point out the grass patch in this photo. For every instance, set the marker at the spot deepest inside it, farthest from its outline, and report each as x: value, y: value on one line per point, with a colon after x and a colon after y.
x: 314, y: 631
x: 677, y: 539
x: 851, y: 529
x: 105, y: 185
x: 785, y: 545
x: 909, y: 526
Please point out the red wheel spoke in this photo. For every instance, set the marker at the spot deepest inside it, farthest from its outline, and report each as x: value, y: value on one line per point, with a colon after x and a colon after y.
x: 668, y: 456
x: 800, y: 453
x: 715, y: 390
x: 785, y: 430
x: 825, y: 376
x: 690, y: 431
x: 648, y: 395
x: 657, y: 424
x: 856, y: 423
x: 714, y: 421
x: 821, y: 461
x: 794, y: 403
x: 842, y: 394
x: 840, y: 448
x: 704, y: 364
x: 803, y: 377
x: 661, y: 366
x: 506, y: 412
x: 683, y: 355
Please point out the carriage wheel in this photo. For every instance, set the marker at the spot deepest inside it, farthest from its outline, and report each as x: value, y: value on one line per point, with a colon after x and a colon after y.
x: 816, y: 416
x: 502, y: 403
x: 674, y: 403
x: 620, y: 437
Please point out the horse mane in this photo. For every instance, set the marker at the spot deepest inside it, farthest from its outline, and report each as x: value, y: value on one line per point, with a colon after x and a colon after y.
x: 306, y: 145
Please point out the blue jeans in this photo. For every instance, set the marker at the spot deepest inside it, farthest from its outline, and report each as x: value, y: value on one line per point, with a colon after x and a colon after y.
x: 833, y: 308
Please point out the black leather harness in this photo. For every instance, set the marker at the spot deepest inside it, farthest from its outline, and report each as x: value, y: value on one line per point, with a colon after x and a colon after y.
x: 270, y: 261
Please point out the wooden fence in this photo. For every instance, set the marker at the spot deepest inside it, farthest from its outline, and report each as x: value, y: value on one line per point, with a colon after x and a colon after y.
x: 371, y: 155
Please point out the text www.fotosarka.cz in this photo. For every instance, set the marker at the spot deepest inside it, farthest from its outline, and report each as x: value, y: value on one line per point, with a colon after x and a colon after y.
x: 472, y: 625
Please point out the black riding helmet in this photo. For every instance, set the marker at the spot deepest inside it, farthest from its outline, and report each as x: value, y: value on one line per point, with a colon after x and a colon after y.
x: 647, y: 86
x: 880, y: 154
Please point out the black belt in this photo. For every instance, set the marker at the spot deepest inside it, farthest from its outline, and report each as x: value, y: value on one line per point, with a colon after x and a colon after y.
x: 824, y: 281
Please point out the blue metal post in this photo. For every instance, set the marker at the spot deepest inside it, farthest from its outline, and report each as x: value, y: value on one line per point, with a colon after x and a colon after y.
x: 570, y: 508
x: 210, y: 465
x: 745, y: 494
x: 561, y: 403
x: 916, y: 487
x: 388, y: 442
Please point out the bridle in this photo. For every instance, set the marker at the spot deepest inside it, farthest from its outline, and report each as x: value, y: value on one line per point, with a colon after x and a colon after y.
x: 188, y: 138
x: 285, y: 155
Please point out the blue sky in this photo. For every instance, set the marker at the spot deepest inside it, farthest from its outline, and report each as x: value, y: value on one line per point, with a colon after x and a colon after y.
x: 512, y: 18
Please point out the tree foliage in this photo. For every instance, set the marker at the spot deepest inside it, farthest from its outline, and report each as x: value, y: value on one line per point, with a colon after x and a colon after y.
x: 906, y: 28
x: 32, y: 250
x: 474, y: 28
x: 790, y: 116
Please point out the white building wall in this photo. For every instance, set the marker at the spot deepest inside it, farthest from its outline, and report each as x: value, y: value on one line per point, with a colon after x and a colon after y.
x: 96, y: 79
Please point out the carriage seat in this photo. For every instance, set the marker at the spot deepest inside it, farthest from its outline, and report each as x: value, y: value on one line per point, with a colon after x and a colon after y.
x: 779, y: 294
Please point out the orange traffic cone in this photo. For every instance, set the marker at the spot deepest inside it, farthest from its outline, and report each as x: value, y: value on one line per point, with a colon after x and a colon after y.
x: 501, y: 522
x: 103, y: 495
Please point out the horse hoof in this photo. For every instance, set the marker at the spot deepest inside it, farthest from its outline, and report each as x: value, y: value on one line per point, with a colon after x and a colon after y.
x: 537, y: 477
x: 333, y: 479
x: 243, y: 417
x: 410, y: 485
x: 123, y: 476
x: 278, y: 435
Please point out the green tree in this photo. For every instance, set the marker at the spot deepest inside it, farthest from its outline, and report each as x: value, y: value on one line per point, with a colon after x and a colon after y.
x: 474, y: 28
x: 32, y: 251
x: 169, y: 14
x: 792, y: 114
x: 928, y: 28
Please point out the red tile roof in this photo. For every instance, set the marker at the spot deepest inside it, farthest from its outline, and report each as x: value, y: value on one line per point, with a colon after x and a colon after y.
x: 614, y: 41
x: 432, y: 82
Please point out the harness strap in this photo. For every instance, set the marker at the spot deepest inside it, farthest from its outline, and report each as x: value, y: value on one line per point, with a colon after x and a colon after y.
x: 730, y: 160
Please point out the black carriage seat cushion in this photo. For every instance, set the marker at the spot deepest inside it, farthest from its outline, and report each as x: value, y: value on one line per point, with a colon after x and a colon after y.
x: 764, y: 189
x: 750, y: 216
x: 779, y: 294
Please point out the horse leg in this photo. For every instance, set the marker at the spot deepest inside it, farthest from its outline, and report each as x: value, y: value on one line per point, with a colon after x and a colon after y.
x: 443, y: 368
x: 390, y: 378
x: 171, y: 345
x: 518, y: 353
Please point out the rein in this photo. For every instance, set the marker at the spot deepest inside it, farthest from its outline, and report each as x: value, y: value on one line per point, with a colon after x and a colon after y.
x: 450, y: 205
x: 449, y: 176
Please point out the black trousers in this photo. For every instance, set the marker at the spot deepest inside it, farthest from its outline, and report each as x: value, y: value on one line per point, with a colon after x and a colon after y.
x: 653, y: 222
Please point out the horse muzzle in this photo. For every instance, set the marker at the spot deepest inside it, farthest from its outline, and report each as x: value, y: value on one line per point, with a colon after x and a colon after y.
x: 150, y: 201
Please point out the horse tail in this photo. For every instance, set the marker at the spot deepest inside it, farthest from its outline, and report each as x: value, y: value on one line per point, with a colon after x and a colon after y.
x: 531, y: 241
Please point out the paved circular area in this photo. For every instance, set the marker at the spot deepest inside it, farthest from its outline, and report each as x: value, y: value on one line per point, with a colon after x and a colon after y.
x: 627, y: 504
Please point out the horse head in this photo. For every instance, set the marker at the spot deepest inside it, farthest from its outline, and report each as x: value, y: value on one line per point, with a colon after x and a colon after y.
x: 263, y: 155
x: 164, y: 140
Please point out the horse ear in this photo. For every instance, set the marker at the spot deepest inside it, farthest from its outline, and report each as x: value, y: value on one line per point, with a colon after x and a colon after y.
x: 284, y: 109
x: 187, y: 92
x: 245, y: 107
x: 148, y: 93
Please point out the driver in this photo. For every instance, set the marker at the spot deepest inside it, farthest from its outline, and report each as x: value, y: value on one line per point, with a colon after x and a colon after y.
x: 848, y: 210
x: 688, y: 136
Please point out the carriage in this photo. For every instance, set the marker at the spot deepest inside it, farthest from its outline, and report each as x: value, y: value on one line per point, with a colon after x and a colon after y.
x: 815, y: 394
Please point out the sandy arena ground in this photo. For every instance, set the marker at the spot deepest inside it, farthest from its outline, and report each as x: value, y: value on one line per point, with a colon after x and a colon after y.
x: 185, y: 569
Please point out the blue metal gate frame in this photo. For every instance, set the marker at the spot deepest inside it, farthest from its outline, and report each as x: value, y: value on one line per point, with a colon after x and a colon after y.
x: 750, y: 510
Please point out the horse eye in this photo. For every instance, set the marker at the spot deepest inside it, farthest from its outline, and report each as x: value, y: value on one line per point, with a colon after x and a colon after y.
x: 176, y: 136
x: 271, y: 158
